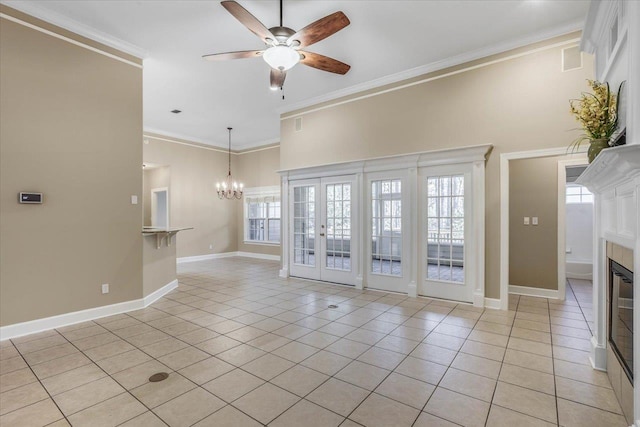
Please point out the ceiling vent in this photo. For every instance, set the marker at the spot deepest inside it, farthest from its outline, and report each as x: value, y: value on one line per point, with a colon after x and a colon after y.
x: 176, y: 111
x: 571, y: 58
x: 298, y: 124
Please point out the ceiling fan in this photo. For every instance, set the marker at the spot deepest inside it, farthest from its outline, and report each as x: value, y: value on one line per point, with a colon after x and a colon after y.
x: 283, y: 44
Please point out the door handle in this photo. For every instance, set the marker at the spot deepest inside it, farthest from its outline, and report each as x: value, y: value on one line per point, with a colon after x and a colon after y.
x: 321, y: 234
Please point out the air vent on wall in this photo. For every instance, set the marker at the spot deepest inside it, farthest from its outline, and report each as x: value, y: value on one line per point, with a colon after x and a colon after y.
x: 298, y: 124
x: 571, y: 58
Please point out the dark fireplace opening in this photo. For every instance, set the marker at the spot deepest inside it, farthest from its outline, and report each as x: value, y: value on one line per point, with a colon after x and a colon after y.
x: 621, y: 315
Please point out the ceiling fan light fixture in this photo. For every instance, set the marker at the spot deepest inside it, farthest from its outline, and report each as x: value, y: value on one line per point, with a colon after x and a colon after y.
x: 281, y: 57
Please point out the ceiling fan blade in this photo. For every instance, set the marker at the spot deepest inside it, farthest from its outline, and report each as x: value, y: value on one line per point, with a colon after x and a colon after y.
x: 242, y: 54
x: 320, y: 30
x: 277, y: 78
x: 324, y: 63
x: 249, y: 21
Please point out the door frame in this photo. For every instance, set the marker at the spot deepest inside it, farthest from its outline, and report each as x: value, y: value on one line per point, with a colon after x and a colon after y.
x: 315, y: 269
x: 475, y: 155
x: 398, y: 283
x: 562, y: 220
x: 473, y: 259
x: 505, y: 158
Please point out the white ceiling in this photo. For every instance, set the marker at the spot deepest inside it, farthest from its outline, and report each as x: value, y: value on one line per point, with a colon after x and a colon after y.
x: 386, y: 41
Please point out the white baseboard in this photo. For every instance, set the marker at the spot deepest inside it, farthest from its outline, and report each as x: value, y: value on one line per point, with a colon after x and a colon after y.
x: 33, y: 326
x: 579, y: 270
x: 493, y: 303
x: 207, y: 257
x: 598, y: 357
x: 156, y: 295
x: 533, y: 292
x: 258, y: 256
x: 204, y: 257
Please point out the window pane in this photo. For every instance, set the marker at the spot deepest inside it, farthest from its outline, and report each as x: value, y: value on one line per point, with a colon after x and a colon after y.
x: 386, y: 226
x: 445, y: 228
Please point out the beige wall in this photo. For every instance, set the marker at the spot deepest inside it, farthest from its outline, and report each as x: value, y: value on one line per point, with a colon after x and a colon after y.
x: 257, y: 169
x: 192, y: 196
x: 533, y: 250
x: 515, y: 104
x: 159, y: 264
x: 71, y: 124
x: 156, y: 177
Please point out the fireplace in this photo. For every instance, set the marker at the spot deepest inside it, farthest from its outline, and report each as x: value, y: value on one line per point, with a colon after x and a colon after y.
x: 621, y: 315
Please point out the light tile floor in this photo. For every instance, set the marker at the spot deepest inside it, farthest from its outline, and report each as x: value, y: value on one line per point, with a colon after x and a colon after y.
x: 245, y: 348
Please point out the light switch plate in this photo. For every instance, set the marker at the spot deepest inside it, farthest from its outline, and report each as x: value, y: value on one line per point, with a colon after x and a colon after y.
x: 526, y: 220
x: 534, y: 220
x: 134, y: 200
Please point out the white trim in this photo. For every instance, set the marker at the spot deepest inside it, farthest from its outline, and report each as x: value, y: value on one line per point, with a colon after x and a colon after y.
x: 157, y: 294
x: 562, y: 221
x: 446, y: 156
x: 260, y: 243
x: 208, y: 147
x: 418, y: 71
x: 504, y: 209
x: 207, y: 257
x: 68, y: 40
x: 533, y: 292
x: 154, y: 206
x: 258, y: 256
x: 415, y: 72
x: 579, y: 270
x: 493, y: 303
x: 33, y: 326
x: 31, y: 8
x: 213, y: 144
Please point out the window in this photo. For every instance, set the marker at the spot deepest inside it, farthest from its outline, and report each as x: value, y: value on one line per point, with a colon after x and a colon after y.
x: 445, y: 228
x: 262, y: 215
x: 386, y: 227
x: 578, y: 194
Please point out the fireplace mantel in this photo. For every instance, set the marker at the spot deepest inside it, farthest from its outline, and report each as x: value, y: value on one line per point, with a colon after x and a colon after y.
x: 612, y: 168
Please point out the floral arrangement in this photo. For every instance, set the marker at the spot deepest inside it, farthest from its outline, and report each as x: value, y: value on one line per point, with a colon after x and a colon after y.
x: 597, y: 112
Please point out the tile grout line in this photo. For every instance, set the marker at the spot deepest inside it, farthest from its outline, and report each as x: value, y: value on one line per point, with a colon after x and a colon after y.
x: 41, y: 385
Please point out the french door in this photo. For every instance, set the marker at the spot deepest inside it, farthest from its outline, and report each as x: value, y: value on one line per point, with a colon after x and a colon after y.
x: 323, y: 244
x: 446, y: 236
x: 388, y: 248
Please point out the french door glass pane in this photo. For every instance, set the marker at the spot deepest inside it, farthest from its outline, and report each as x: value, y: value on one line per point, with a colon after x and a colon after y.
x: 303, y: 225
x: 338, y: 232
x: 386, y: 227
x: 445, y: 228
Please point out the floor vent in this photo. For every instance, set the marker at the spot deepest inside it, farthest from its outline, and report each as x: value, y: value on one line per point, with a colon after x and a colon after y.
x: 160, y: 376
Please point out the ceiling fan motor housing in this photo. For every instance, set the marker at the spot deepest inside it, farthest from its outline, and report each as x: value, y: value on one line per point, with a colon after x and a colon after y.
x: 282, y: 34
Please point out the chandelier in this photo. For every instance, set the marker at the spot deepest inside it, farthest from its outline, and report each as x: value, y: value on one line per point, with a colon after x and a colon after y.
x: 229, y: 189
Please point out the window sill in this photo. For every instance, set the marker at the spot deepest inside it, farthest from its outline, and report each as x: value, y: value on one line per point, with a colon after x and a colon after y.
x: 259, y: 243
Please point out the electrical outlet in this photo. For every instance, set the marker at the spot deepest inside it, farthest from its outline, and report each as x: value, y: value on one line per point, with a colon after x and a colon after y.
x: 105, y: 288
x: 210, y: 246
x: 534, y: 220
x: 526, y: 220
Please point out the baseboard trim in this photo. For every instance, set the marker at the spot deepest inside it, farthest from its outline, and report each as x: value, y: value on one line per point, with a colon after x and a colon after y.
x: 598, y: 357
x: 493, y: 303
x: 533, y: 292
x: 196, y: 258
x: 258, y: 256
x: 156, y: 295
x: 33, y: 326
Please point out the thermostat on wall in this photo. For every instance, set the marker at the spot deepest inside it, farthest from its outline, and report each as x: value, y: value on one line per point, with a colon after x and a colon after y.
x: 25, y: 197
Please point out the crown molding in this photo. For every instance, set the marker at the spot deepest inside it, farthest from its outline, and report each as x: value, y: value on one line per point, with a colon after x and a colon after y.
x: 436, y: 66
x: 74, y: 26
x: 208, y: 144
